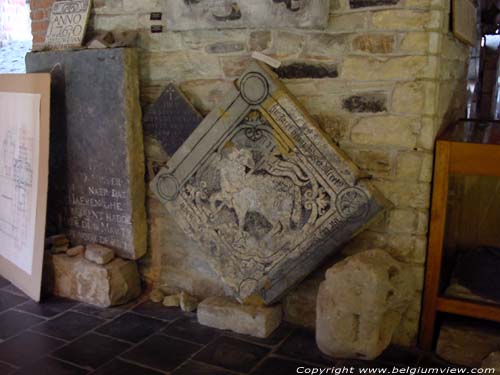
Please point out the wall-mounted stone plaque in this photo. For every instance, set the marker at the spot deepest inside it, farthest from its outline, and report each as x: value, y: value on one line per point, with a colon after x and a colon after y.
x: 96, y: 184
x: 171, y: 119
x: 261, y: 189
x: 223, y: 14
x: 68, y: 22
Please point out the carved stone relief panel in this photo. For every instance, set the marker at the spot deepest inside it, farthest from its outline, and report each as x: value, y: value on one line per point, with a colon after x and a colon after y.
x: 224, y: 14
x: 263, y: 191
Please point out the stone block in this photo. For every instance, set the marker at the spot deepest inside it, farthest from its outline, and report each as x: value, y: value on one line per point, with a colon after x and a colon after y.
x: 373, y: 43
x: 368, y: 68
x: 97, y: 184
x: 492, y: 361
x: 467, y: 343
x: 172, y: 301
x: 386, y: 130
x: 156, y: 296
x: 196, y: 14
x: 99, y: 254
x: 75, y: 251
x: 115, y: 283
x: 187, y: 302
x: 401, y: 19
x: 222, y: 313
x: 361, y: 303
x: 365, y: 103
x: 313, y: 70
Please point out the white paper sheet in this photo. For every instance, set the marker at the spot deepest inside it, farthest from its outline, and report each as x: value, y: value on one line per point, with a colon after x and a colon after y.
x: 19, y: 153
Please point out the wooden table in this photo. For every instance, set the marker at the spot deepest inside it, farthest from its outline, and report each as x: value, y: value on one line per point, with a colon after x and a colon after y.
x: 466, y: 148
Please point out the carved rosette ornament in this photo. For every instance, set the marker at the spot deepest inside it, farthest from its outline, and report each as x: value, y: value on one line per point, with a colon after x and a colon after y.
x: 265, y: 194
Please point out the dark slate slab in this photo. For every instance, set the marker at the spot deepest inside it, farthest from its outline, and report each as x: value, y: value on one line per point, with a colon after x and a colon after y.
x: 96, y: 189
x: 171, y: 119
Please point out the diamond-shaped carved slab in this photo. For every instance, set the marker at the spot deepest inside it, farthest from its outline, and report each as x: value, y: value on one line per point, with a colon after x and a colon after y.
x: 265, y: 194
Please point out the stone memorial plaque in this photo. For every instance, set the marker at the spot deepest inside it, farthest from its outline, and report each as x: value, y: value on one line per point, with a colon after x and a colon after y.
x: 224, y: 14
x: 96, y: 185
x: 171, y: 119
x: 68, y: 22
x: 265, y: 194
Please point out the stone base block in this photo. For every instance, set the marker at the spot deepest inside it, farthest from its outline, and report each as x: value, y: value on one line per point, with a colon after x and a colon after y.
x: 361, y: 303
x: 467, y: 343
x: 222, y: 313
x: 115, y: 283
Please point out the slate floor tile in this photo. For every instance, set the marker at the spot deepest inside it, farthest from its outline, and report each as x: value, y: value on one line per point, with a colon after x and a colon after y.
x: 3, y: 282
x: 132, y: 327
x: 27, y: 347
x: 51, y: 366
x: 91, y: 351
x: 15, y: 290
x: 102, y: 313
x: 6, y: 369
x: 399, y: 355
x: 301, y: 345
x: 282, y: 332
x: 157, y: 310
x: 119, y: 367
x: 189, y: 329
x: 47, y: 308
x: 279, y: 366
x: 69, y: 326
x: 232, y: 354
x: 12, y: 322
x: 161, y: 352
x: 192, y: 368
x: 8, y: 300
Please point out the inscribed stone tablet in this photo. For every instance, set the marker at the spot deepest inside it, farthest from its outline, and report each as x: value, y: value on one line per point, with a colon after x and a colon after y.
x: 96, y: 187
x: 224, y: 14
x: 68, y: 22
x: 171, y: 119
x: 265, y: 194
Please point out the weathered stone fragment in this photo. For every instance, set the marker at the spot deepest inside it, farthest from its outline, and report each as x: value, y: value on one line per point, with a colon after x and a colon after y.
x: 492, y: 361
x: 196, y: 14
x: 76, y: 278
x: 59, y: 249
x: 68, y: 23
x: 96, y: 189
x: 57, y: 240
x: 188, y: 303
x: 99, y: 254
x: 266, y: 195
x: 467, y: 343
x: 361, y: 303
x: 156, y: 296
x: 222, y: 313
x: 75, y: 251
x: 172, y: 301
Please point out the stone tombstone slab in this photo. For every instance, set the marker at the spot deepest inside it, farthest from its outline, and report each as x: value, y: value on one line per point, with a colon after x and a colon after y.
x: 261, y: 189
x: 171, y: 119
x: 225, y: 14
x: 68, y: 23
x: 96, y: 184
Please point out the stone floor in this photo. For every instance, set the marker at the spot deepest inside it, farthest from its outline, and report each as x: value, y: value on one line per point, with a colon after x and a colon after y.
x: 66, y: 337
x: 12, y: 56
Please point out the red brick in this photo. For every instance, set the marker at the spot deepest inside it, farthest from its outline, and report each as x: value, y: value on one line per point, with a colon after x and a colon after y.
x: 39, y: 26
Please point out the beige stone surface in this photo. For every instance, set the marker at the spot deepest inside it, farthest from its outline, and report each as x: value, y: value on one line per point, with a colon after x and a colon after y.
x: 361, y: 303
x: 75, y: 251
x: 115, y: 283
x: 172, y: 301
x: 223, y: 313
x: 492, y: 361
x: 99, y: 254
x: 156, y: 296
x: 299, y: 306
x: 467, y: 344
x: 187, y: 302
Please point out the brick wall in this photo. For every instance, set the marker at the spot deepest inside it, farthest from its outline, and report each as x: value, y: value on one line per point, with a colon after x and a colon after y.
x: 40, y: 11
x: 396, y: 75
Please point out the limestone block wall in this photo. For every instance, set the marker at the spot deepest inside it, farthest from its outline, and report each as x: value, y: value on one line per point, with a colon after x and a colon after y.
x: 381, y: 80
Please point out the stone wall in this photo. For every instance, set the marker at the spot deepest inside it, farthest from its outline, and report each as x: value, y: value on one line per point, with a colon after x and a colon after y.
x: 381, y: 80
